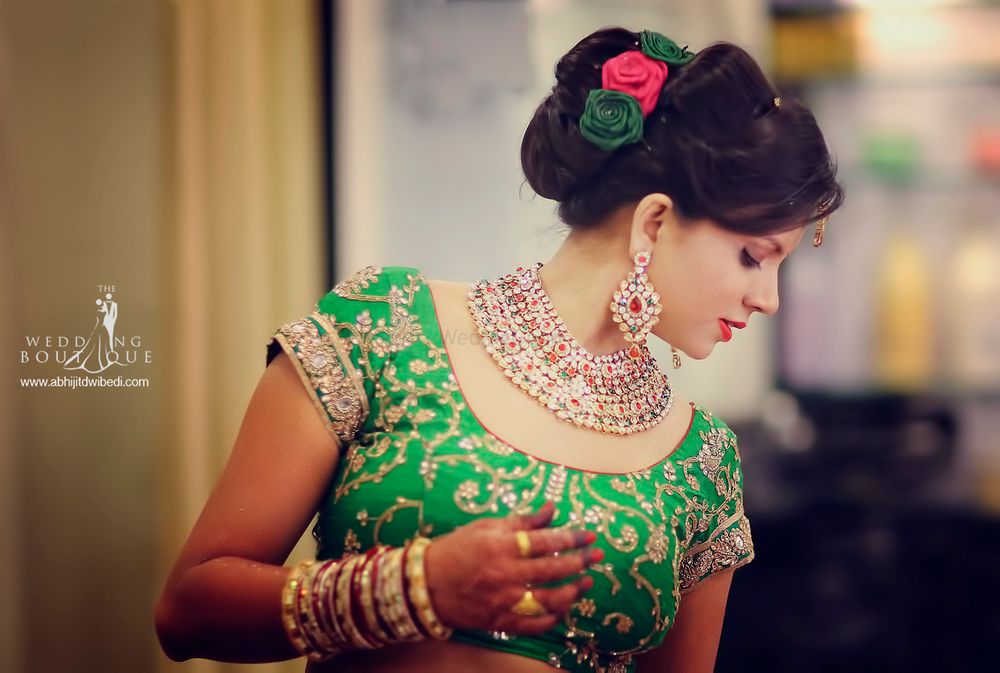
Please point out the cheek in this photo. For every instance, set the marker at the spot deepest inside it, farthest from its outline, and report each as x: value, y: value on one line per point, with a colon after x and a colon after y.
x: 692, y: 285
x: 693, y: 293
x: 679, y: 299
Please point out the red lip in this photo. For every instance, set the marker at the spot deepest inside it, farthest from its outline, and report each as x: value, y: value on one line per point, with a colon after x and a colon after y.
x: 737, y: 325
x: 727, y: 332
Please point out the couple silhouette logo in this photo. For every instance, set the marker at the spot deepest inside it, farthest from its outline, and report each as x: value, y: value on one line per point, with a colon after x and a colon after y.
x: 98, y: 352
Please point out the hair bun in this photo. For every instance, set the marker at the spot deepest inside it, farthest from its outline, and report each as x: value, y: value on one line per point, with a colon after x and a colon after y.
x: 555, y: 157
x: 718, y: 93
x: 715, y: 142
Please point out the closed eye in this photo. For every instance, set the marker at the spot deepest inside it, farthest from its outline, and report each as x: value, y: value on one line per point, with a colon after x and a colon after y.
x: 749, y: 261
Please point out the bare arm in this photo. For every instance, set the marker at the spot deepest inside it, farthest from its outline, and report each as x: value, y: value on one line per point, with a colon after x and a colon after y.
x: 691, y: 645
x: 222, y: 598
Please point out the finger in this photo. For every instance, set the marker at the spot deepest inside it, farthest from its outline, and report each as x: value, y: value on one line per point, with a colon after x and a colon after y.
x: 558, y: 600
x: 552, y: 540
x: 553, y: 569
x: 533, y: 626
x: 538, y: 519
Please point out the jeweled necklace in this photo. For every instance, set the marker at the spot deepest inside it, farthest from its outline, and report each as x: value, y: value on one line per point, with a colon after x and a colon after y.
x: 612, y: 393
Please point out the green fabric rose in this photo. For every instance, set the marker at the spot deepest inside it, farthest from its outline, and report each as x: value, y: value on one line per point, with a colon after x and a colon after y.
x: 611, y: 119
x: 663, y: 48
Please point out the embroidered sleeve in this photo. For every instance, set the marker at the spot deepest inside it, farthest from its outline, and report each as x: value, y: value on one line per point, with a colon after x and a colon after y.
x: 724, y: 539
x: 324, y: 366
x: 340, y: 349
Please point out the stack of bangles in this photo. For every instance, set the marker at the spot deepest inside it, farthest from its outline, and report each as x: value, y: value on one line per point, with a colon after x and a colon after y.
x: 364, y: 601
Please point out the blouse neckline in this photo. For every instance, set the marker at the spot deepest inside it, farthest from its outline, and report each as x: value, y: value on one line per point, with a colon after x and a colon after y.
x: 482, y: 425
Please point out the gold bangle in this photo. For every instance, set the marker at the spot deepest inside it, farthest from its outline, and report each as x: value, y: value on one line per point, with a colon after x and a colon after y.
x: 391, y: 599
x: 310, y: 612
x: 367, y: 598
x: 290, y: 618
x: 418, y: 593
x: 327, y: 593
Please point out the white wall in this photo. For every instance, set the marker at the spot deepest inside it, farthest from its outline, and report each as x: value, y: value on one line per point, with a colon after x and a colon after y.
x: 431, y: 116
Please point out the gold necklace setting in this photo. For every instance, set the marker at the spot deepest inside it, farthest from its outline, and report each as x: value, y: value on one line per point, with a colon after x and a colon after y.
x: 619, y: 393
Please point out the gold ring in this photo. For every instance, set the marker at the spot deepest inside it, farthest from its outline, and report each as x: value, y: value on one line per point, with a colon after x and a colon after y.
x: 529, y: 606
x: 523, y: 544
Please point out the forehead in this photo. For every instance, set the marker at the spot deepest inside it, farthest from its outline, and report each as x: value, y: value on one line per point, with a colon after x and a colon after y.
x: 786, y: 240
x: 783, y: 242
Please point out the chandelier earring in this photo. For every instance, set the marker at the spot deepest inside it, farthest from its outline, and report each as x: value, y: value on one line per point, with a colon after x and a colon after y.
x: 635, y: 305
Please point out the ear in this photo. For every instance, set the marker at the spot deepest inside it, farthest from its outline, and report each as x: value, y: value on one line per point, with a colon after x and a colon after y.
x: 651, y: 215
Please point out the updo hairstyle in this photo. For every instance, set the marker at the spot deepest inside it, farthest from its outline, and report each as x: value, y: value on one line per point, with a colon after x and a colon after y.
x: 716, y: 143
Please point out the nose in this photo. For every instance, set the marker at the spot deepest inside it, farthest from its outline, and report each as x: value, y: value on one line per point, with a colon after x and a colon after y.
x: 763, y: 298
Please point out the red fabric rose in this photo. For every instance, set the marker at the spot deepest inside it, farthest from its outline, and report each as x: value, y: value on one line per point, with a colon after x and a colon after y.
x: 634, y: 73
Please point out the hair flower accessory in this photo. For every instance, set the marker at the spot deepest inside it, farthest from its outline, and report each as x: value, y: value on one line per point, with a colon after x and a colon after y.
x: 632, y: 83
x: 663, y: 48
x: 611, y: 119
x: 634, y: 73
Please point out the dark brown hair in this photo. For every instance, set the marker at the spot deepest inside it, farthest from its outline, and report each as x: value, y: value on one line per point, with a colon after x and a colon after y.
x: 715, y: 143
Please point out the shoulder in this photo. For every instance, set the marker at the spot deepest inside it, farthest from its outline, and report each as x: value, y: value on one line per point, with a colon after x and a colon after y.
x: 717, y: 443
x: 712, y: 424
x: 374, y: 284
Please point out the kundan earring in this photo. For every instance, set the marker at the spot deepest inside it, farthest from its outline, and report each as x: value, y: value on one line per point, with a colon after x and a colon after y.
x: 635, y: 305
x: 676, y: 357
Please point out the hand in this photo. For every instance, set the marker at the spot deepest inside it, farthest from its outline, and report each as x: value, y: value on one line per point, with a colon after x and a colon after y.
x: 476, y: 574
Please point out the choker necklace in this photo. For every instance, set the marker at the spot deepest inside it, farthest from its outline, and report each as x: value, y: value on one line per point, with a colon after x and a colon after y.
x: 612, y: 393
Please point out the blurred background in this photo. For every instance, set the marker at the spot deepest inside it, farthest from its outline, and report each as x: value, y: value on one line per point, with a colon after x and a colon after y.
x: 216, y: 165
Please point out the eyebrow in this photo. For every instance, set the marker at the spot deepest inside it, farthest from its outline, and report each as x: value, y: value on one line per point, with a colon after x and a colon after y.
x: 777, y: 246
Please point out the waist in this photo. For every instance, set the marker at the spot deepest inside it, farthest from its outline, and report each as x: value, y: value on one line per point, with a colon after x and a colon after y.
x: 430, y: 656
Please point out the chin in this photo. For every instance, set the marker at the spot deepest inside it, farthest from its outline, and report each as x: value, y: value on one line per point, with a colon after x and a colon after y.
x: 696, y: 351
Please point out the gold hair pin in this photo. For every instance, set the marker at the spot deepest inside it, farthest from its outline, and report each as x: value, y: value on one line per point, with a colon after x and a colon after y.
x: 818, y: 236
x: 821, y: 224
x: 777, y: 102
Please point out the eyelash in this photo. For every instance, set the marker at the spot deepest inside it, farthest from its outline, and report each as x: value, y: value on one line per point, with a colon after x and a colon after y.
x: 748, y: 260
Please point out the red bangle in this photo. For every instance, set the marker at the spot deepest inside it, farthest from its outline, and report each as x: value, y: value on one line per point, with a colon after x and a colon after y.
x: 376, y: 563
x: 357, y: 612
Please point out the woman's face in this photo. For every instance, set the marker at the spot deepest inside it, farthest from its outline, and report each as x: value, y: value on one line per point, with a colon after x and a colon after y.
x: 711, y: 280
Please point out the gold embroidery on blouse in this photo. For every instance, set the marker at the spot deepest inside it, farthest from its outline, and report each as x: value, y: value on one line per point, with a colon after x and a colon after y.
x: 401, y: 504
x: 556, y: 485
x: 665, y: 508
x: 731, y: 549
x: 351, y: 543
x: 715, y: 443
x: 608, y: 571
x: 358, y: 281
x: 623, y: 623
x: 496, y: 482
x: 589, y: 654
x: 626, y: 542
x: 616, y: 522
x: 384, y: 339
x: 323, y: 365
x: 725, y: 546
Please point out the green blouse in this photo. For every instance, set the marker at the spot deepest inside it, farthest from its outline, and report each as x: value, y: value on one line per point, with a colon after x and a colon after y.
x: 417, y: 460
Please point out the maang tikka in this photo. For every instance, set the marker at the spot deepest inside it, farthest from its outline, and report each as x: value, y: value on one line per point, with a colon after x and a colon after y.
x: 635, y: 305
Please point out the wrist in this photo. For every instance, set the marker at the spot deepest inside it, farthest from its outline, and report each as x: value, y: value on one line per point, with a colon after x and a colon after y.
x: 363, y: 601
